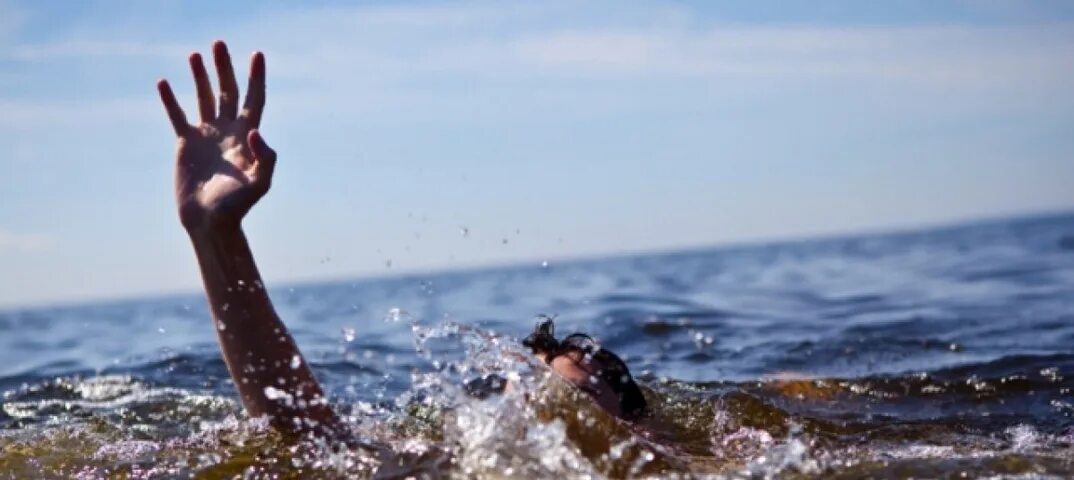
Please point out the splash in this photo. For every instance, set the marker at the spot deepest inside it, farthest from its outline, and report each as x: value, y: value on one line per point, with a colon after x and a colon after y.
x: 527, y: 424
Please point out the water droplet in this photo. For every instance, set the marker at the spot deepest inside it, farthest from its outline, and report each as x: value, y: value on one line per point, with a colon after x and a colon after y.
x: 273, y: 393
x: 221, y: 326
x: 225, y: 307
x: 348, y: 334
x: 396, y: 314
x: 296, y: 361
x: 544, y: 264
x: 504, y: 241
x: 160, y: 329
x: 465, y: 231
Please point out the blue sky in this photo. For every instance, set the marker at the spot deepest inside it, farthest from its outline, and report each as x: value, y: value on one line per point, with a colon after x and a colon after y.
x: 548, y: 130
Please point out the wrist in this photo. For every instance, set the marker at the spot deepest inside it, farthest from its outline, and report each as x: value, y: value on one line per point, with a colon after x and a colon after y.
x: 209, y: 231
x: 199, y: 221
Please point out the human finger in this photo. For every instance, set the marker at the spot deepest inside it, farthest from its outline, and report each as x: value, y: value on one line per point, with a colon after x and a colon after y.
x: 229, y: 89
x: 255, y: 91
x: 264, y: 155
x: 206, y: 103
x: 171, y: 105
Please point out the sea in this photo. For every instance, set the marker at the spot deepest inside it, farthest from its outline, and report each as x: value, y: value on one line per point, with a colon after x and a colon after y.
x: 936, y: 353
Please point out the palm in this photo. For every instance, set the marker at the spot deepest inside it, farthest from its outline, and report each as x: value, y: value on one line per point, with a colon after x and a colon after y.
x: 215, y: 173
x: 223, y: 165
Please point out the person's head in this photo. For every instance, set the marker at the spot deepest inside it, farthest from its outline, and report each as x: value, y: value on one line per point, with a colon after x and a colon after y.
x: 543, y: 339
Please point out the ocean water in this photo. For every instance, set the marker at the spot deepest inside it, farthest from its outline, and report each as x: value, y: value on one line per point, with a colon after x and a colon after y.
x: 939, y: 353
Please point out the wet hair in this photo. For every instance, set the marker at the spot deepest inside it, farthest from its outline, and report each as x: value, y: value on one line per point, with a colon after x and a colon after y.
x: 610, y: 368
x: 543, y: 338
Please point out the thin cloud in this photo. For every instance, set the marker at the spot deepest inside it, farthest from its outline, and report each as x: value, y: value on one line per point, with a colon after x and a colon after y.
x: 938, y: 56
x: 346, y: 49
x: 36, y: 114
x: 390, y: 57
x: 390, y: 45
x: 90, y: 49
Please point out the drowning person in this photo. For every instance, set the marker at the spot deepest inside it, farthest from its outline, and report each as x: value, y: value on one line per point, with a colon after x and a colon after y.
x: 223, y: 167
x: 593, y: 369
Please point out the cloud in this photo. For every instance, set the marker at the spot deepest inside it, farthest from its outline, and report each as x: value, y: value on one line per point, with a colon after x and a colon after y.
x: 353, y: 47
x: 385, y: 59
x: 90, y: 48
x: 11, y: 242
x: 52, y: 114
x: 345, y: 47
x: 490, y: 40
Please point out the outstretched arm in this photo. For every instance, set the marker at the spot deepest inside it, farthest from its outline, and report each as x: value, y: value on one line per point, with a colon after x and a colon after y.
x: 223, y: 167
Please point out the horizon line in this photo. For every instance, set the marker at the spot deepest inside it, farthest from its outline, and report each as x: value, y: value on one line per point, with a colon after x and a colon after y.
x: 479, y: 267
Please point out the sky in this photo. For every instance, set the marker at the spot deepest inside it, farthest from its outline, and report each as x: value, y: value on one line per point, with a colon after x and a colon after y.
x: 424, y: 136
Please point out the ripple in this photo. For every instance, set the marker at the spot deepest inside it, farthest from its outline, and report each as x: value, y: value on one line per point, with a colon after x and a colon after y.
x: 923, y: 354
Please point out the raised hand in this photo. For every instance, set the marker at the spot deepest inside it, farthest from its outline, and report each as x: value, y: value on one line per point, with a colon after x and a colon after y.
x: 223, y: 166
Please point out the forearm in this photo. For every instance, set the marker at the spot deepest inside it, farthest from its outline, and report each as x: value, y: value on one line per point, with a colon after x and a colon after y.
x: 269, y: 372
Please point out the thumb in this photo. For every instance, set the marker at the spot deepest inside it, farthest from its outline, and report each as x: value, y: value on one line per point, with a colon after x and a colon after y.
x: 261, y: 150
x: 263, y: 154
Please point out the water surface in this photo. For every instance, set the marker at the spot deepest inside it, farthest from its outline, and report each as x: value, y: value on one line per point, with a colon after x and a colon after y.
x: 937, y: 353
